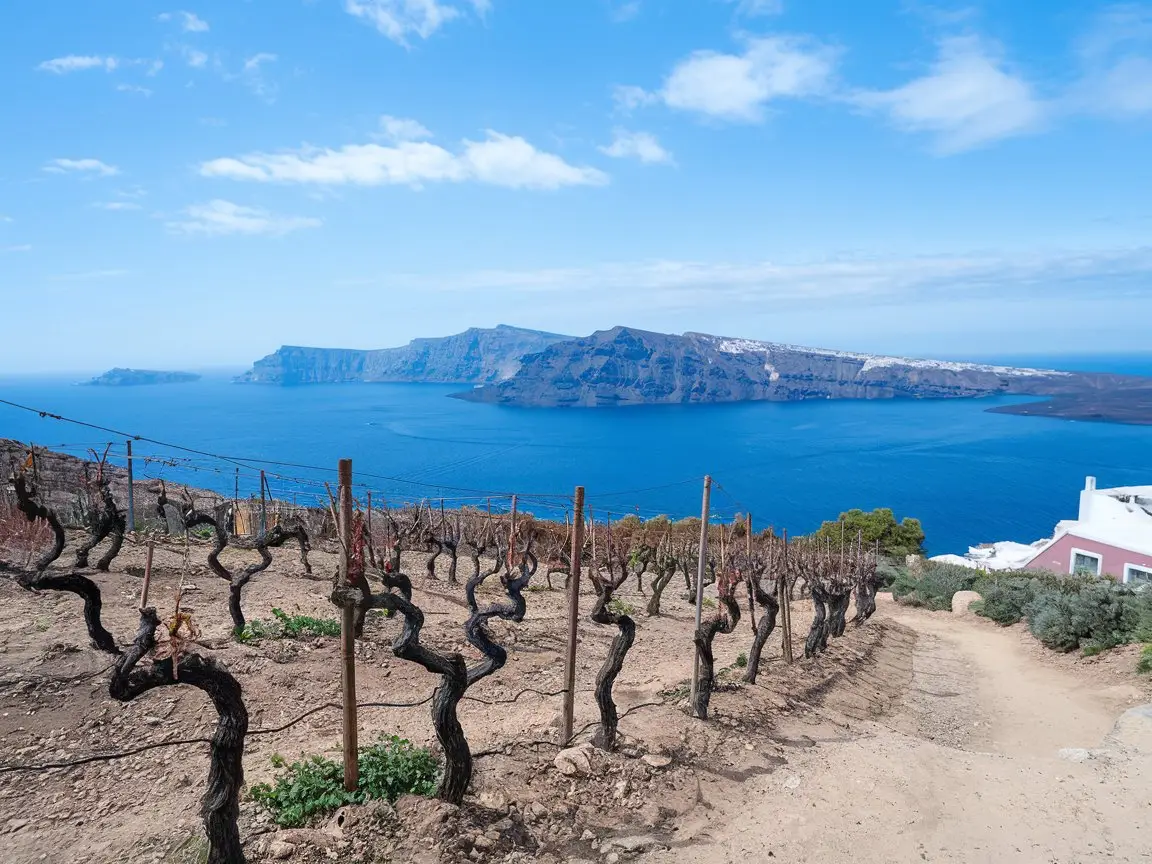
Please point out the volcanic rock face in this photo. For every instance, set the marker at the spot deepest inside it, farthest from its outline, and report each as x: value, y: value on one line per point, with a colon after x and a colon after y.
x: 476, y: 356
x: 624, y: 366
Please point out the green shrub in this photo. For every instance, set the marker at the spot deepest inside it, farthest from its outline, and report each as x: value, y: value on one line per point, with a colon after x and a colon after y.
x: 741, y: 660
x: 388, y: 769
x: 888, y: 569
x: 1098, y: 616
x: 1144, y: 664
x: 619, y: 607
x: 288, y: 627
x: 934, y: 586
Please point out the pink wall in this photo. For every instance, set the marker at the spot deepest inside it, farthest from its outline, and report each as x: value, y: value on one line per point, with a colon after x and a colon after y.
x: 1058, y: 556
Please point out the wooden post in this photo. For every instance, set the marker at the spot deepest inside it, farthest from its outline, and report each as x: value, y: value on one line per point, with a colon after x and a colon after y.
x: 147, y: 577
x: 348, y: 635
x: 573, y: 616
x: 700, y: 567
x: 131, y: 498
x: 748, y: 527
x: 786, y: 607
x: 512, y: 536
x: 264, y: 506
x: 236, y: 505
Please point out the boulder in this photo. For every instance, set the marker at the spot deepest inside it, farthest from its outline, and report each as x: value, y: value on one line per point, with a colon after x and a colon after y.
x: 961, y: 600
x: 573, y: 762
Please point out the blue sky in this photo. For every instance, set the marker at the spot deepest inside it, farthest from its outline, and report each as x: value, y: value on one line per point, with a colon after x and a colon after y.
x: 194, y: 186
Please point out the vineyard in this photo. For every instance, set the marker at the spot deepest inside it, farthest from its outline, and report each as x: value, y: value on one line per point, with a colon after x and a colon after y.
x: 186, y: 637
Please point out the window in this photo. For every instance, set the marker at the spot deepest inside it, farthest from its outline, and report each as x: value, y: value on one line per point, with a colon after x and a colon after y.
x: 1085, y: 563
x: 1136, y: 575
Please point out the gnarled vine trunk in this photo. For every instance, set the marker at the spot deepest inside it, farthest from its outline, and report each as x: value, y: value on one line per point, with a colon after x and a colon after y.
x: 705, y: 634
x: 220, y: 806
x: 818, y: 634
x: 108, y: 521
x: 36, y: 579
x: 837, y: 611
x: 455, y: 676
x: 665, y: 572
x: 770, y: 607
x: 605, y: 736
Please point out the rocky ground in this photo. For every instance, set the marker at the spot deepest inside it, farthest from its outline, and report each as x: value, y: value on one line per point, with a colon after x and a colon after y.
x: 677, y: 789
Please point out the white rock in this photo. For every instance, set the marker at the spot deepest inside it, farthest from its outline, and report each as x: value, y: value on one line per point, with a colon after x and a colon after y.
x: 573, y: 762
x: 657, y: 760
x: 1075, y: 754
x: 961, y: 600
x: 792, y: 781
x: 280, y: 850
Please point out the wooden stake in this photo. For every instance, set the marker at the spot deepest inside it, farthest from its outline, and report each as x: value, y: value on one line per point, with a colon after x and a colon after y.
x: 236, y: 505
x: 348, y: 635
x: 573, y: 615
x: 512, y: 536
x: 147, y: 577
x: 700, y: 565
x: 263, y: 507
x: 786, y: 607
x: 131, y: 498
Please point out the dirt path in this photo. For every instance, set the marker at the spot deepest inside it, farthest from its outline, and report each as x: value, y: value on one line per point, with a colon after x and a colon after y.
x: 969, y: 768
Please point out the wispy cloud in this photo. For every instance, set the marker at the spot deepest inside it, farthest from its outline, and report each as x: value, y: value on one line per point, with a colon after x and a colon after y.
x: 968, y: 98
x: 4, y: 218
x: 78, y: 63
x: 758, y: 8
x: 637, y: 145
x: 866, y: 281
x: 401, y: 19
x: 219, y: 217
x: 190, y: 22
x: 629, y: 97
x: 739, y: 87
x: 193, y: 57
x: 254, y: 77
x: 1115, y: 58
x: 134, y: 88
x: 622, y: 11
x: 117, y: 205
x: 92, y: 167
x: 498, y: 160
x: 23, y: 247
x: 402, y: 129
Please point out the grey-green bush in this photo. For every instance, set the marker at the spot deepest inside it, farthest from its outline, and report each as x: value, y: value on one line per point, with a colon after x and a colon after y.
x: 1098, y: 616
x: 934, y: 586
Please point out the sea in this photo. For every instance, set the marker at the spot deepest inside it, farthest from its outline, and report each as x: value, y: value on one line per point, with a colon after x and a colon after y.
x: 969, y: 476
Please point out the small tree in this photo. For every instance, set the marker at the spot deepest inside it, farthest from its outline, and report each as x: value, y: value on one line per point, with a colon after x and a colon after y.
x: 724, y: 621
x: 895, y: 539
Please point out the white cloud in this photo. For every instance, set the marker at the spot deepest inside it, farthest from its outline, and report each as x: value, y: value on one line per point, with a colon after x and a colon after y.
x: 252, y: 64
x: 23, y: 247
x: 194, y: 57
x: 81, y: 166
x: 399, y: 19
x: 4, y: 218
x: 629, y: 97
x: 737, y: 87
x: 498, y: 160
x: 77, y: 63
x: 757, y: 8
x: 1116, y: 64
x: 967, y: 99
x: 190, y: 22
x: 88, y: 275
x: 253, y: 76
x: 133, y: 88
x: 693, y: 285
x: 625, y: 10
x: 637, y: 145
x: 219, y: 217
x: 402, y: 129
x: 117, y: 205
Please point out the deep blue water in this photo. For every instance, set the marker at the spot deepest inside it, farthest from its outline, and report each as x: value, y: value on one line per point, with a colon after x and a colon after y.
x: 970, y: 476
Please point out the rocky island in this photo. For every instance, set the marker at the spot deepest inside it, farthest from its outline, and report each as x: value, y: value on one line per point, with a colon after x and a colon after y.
x: 137, y: 377
x: 476, y: 356
x: 626, y: 366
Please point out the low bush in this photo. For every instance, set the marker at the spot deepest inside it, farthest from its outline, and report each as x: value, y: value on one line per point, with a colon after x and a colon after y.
x: 388, y: 769
x: 619, y: 607
x: 1144, y: 664
x: 288, y: 627
x: 1091, y: 616
x: 933, y: 586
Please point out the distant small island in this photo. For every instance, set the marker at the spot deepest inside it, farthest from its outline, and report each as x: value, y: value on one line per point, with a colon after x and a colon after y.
x: 136, y: 377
